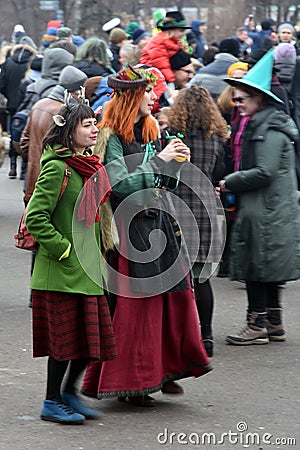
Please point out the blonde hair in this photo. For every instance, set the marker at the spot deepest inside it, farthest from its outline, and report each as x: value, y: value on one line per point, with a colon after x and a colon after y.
x: 129, y: 52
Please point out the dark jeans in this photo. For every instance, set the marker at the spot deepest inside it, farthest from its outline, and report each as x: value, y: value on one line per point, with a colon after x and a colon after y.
x: 262, y: 295
x: 12, y: 151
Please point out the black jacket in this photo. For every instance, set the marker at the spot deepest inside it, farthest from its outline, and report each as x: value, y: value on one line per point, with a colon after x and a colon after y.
x: 12, y: 72
x: 93, y: 69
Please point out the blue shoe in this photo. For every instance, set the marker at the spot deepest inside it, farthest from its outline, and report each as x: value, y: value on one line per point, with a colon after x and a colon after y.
x: 75, y: 403
x: 56, y: 411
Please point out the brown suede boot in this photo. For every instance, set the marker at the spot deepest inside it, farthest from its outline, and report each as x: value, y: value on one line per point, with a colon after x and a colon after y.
x: 274, y: 325
x: 255, y: 331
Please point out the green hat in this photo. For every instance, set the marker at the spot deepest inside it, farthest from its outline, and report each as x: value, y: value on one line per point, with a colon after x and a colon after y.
x: 173, y: 19
x: 159, y: 14
x: 259, y: 76
x: 131, y: 27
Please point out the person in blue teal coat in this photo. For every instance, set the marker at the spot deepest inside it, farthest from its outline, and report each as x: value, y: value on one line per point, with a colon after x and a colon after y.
x: 71, y: 318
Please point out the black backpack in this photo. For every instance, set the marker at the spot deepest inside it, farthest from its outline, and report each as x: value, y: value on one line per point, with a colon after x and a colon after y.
x: 19, y: 119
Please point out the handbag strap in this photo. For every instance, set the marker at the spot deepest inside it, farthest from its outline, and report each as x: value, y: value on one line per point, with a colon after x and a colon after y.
x: 65, y: 182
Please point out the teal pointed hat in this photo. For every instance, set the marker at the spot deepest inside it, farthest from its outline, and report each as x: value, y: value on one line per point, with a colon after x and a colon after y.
x: 259, y: 76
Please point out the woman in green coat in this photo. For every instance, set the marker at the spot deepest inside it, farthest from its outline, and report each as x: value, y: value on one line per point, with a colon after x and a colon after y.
x: 71, y: 319
x: 266, y: 236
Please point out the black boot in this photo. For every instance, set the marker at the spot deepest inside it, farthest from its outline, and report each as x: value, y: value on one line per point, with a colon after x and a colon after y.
x: 209, y: 346
x: 208, y: 340
x: 13, y: 167
x: 205, y: 301
x: 23, y: 169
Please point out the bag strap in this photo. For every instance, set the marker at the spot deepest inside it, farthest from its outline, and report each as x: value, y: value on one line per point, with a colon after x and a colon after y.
x: 65, y: 182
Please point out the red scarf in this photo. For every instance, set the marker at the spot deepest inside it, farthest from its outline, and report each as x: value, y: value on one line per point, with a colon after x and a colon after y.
x: 96, y: 187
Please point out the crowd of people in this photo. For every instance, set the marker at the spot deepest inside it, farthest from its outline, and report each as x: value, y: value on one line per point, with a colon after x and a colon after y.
x: 156, y: 132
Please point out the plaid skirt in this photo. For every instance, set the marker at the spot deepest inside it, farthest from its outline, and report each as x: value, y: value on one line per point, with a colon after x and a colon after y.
x: 70, y: 326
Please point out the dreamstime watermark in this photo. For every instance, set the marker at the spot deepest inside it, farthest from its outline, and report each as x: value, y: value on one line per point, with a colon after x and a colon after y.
x: 239, y: 437
x: 148, y: 238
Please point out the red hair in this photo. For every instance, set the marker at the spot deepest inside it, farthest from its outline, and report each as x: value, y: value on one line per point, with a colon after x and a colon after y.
x: 120, y: 113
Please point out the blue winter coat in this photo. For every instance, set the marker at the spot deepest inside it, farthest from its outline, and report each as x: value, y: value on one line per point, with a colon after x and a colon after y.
x: 201, y: 42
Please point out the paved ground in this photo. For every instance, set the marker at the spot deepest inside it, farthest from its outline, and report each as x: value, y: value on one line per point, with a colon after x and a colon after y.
x: 250, y: 400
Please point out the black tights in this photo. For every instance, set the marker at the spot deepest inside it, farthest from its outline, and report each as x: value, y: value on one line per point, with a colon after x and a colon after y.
x: 205, y: 306
x: 56, y: 373
x: 262, y: 296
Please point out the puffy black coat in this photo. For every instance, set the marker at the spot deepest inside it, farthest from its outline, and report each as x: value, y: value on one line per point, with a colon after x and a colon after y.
x: 12, y: 72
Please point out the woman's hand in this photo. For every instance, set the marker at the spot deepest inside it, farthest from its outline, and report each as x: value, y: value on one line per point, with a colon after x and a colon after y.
x: 175, y: 149
x: 222, y: 186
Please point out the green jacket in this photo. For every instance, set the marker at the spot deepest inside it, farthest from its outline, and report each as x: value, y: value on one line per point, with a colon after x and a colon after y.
x: 265, y: 240
x: 55, y: 226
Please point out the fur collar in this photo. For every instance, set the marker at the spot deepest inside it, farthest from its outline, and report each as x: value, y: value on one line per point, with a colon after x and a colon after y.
x: 108, y: 228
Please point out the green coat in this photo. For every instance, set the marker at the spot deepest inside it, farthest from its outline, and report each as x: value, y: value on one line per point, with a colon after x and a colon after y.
x: 266, y: 235
x: 55, y: 226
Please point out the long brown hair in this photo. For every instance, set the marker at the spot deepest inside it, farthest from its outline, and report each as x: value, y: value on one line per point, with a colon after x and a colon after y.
x: 194, y: 109
x: 120, y: 113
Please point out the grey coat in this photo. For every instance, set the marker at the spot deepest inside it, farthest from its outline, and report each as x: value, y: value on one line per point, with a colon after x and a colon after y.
x: 266, y: 236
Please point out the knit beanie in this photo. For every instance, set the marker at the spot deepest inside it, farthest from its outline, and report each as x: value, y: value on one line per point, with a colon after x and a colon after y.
x: 19, y: 27
x: 285, y: 50
x: 180, y: 59
x: 117, y: 35
x: 237, y: 66
x: 71, y: 78
x: 267, y: 24
x: 138, y: 35
x: 54, y: 24
x: 52, y: 31
x: 132, y: 26
x: 231, y: 46
x: 77, y: 40
x: 286, y: 25
x: 18, y: 36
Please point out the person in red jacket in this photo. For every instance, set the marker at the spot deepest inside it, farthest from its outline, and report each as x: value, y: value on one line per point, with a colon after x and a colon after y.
x: 165, y: 44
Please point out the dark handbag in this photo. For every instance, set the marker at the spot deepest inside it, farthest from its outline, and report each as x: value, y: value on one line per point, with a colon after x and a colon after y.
x: 25, y: 240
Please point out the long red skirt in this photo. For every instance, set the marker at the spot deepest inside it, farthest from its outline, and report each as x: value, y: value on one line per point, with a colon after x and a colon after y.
x: 70, y: 326
x: 158, y: 339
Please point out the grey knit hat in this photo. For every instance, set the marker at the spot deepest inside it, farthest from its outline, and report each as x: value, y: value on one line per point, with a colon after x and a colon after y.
x: 72, y: 78
x: 286, y: 25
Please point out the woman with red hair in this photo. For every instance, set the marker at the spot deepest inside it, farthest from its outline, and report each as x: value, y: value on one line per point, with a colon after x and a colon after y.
x: 154, y: 312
